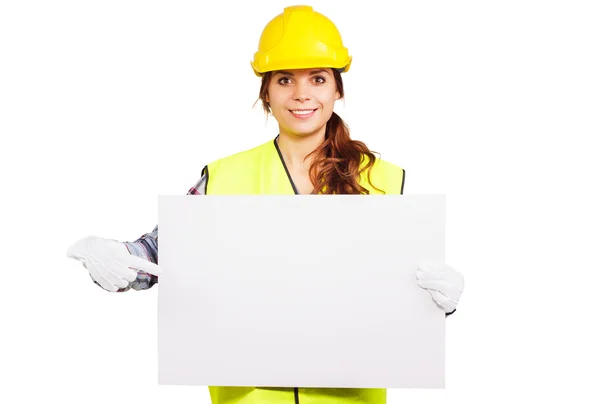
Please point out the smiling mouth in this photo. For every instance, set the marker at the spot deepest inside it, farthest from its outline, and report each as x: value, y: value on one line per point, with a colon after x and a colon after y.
x: 302, y: 113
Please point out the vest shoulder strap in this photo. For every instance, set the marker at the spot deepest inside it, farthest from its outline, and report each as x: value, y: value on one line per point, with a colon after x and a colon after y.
x: 255, y: 171
x: 260, y: 170
x: 385, y: 176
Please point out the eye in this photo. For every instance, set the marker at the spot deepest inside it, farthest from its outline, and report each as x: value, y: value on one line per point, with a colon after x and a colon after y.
x: 320, y: 79
x: 284, y: 80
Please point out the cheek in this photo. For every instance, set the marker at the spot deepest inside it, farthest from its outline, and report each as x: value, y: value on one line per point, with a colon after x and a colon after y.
x: 277, y: 101
x: 327, y: 96
x: 328, y: 102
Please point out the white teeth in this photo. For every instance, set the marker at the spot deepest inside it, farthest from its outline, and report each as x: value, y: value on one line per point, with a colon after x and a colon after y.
x: 303, y: 112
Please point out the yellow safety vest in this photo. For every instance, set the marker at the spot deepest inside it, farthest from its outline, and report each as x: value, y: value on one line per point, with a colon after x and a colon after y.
x: 262, y: 171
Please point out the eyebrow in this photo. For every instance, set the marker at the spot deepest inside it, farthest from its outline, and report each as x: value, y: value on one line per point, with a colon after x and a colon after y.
x: 311, y: 73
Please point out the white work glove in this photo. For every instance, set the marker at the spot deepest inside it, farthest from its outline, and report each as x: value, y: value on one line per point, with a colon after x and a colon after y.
x: 109, y: 262
x: 443, y: 282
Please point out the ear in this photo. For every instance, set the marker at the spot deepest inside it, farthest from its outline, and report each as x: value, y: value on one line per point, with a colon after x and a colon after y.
x: 337, y: 95
x: 267, y: 98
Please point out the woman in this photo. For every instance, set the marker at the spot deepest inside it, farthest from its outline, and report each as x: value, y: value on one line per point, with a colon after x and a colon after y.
x: 300, y: 60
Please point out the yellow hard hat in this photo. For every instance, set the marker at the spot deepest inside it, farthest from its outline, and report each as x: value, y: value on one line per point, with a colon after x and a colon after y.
x: 300, y: 38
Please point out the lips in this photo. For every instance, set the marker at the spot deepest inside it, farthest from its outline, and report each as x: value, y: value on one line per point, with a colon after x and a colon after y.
x: 302, y: 113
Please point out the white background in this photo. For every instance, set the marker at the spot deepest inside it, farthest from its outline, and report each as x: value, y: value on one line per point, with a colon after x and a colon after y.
x: 106, y: 104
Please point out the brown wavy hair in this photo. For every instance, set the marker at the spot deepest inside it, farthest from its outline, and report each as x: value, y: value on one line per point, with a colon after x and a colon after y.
x: 336, y: 165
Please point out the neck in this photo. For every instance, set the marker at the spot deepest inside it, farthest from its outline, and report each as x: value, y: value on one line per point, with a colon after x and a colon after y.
x: 295, y: 148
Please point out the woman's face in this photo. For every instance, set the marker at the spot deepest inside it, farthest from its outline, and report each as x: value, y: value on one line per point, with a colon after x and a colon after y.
x: 302, y: 100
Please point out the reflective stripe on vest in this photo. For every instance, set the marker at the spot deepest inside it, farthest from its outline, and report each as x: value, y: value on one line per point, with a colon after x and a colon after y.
x: 262, y: 171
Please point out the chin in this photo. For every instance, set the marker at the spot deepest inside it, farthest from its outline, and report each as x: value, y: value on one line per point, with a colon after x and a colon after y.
x: 304, y: 132
x: 304, y: 128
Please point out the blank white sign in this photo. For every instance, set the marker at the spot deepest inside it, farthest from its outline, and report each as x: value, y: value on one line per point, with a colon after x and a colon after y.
x: 299, y: 291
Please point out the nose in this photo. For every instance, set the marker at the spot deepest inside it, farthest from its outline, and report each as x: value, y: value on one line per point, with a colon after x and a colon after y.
x: 301, y: 92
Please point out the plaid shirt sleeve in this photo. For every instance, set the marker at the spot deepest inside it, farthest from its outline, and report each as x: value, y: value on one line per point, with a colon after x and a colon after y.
x: 147, y: 246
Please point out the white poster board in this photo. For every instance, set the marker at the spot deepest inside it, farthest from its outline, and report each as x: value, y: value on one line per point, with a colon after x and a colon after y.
x: 299, y: 291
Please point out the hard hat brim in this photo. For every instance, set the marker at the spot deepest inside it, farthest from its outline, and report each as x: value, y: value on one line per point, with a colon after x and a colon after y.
x: 301, y: 65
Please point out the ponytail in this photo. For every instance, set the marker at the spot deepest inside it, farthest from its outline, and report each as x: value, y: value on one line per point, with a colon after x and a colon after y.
x: 338, y: 162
